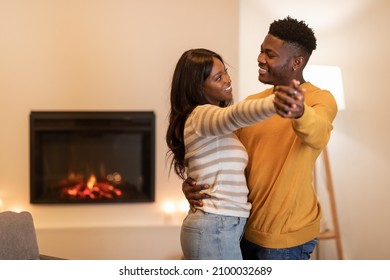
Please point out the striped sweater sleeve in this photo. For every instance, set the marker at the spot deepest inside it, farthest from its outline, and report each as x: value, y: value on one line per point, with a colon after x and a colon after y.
x: 211, y: 120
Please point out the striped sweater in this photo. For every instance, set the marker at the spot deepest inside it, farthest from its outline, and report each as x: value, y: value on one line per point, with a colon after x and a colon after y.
x: 216, y: 157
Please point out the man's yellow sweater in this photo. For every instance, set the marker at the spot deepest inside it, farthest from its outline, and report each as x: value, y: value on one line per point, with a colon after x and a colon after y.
x: 282, y: 154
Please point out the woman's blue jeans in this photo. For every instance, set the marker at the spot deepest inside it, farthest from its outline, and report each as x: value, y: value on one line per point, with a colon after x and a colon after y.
x: 251, y: 251
x: 206, y: 236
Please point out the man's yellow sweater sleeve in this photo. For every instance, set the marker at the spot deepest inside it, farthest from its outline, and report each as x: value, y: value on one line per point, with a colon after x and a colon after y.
x: 315, y: 126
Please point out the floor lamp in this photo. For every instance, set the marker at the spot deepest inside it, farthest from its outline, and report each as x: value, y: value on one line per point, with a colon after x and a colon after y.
x: 334, y: 232
x: 330, y: 78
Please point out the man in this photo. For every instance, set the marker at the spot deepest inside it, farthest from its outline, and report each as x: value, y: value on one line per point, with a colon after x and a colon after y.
x: 285, y: 215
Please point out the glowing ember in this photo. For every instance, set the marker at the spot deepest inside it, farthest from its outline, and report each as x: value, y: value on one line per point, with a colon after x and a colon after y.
x: 92, y: 189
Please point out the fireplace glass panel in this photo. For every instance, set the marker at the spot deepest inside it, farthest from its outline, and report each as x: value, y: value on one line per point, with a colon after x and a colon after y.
x: 92, y: 157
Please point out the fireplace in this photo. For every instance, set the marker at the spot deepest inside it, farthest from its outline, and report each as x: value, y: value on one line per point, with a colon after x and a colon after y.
x: 92, y: 157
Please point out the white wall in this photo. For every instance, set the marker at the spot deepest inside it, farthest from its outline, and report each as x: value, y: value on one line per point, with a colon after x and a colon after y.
x: 98, y: 55
x: 352, y: 35
x: 111, y: 243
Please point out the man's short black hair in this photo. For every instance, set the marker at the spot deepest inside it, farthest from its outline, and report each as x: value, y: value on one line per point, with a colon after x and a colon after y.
x: 295, y: 32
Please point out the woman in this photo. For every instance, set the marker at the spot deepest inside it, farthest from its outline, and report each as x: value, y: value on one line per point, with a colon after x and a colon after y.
x: 203, y: 146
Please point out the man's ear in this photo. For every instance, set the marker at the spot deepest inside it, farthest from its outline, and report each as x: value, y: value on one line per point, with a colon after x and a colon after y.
x: 299, y: 62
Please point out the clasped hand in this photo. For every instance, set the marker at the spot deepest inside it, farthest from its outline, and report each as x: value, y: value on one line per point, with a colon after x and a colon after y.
x: 289, y: 100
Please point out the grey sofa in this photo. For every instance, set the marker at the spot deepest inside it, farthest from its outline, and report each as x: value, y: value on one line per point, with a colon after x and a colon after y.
x: 18, y: 239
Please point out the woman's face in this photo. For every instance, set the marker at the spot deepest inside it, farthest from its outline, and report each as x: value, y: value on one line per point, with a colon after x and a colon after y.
x: 218, y: 86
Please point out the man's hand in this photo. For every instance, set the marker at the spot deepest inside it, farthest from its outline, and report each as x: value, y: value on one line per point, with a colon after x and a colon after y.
x: 289, y: 101
x: 191, y: 192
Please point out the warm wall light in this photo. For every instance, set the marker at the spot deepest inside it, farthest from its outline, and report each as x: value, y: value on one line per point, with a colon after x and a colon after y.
x: 175, y: 206
x: 329, y: 78
x: 169, y: 207
x: 174, y: 211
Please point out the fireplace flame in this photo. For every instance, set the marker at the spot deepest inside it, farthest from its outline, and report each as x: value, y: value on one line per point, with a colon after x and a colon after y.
x: 92, y: 188
x: 91, y: 182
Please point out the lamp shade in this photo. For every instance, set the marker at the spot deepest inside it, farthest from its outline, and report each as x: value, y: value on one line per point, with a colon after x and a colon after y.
x: 329, y: 78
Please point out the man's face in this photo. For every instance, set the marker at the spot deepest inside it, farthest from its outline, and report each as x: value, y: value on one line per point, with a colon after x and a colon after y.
x: 275, y: 61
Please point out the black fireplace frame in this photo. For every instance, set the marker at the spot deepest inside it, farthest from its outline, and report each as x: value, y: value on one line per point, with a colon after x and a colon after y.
x: 142, y: 122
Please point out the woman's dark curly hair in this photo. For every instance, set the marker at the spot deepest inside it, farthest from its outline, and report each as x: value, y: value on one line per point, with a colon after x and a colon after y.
x: 295, y: 32
x: 191, y: 72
